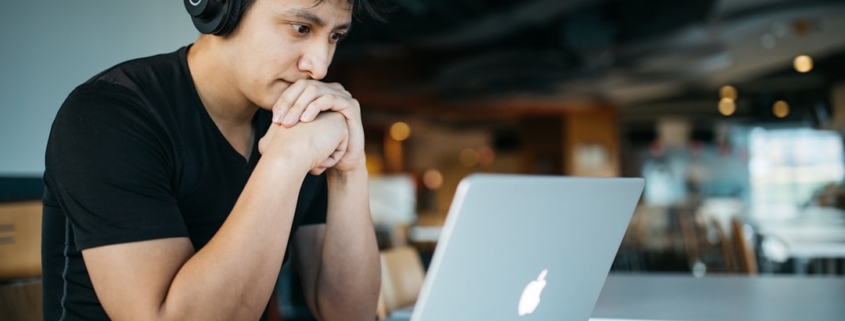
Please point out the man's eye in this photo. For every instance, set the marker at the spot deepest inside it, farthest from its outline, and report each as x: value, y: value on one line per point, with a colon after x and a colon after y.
x: 303, y: 29
x: 338, y: 36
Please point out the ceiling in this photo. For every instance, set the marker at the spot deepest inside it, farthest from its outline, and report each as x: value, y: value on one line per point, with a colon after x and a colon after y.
x: 646, y: 56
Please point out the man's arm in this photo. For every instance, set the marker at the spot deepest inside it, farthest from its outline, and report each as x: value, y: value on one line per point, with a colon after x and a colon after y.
x: 232, y: 277
x: 338, y: 261
x: 340, y: 269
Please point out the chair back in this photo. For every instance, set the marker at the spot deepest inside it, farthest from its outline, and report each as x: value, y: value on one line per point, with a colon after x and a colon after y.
x: 744, y: 248
x: 402, y: 276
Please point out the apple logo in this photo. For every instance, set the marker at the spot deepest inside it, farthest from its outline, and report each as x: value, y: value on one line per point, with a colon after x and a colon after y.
x: 531, y: 295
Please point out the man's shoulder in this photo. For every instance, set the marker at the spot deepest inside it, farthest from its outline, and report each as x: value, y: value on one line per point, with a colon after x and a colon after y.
x: 145, y: 85
x: 143, y: 73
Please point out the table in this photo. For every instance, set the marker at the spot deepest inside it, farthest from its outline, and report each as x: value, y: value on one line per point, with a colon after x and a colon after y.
x: 721, y: 298
x: 816, y: 234
x: 718, y: 298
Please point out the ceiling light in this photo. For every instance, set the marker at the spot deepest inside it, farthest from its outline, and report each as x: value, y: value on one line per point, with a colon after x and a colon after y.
x: 728, y: 92
x: 803, y: 63
x: 727, y: 106
x: 780, y: 109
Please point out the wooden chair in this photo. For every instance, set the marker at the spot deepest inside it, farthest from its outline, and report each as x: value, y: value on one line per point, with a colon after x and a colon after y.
x: 690, y: 231
x: 402, y: 276
x: 706, y: 244
x: 725, y: 250
x: 747, y: 257
x: 381, y: 310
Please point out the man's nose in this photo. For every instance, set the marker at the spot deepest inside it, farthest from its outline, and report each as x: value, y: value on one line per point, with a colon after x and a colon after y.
x: 315, y: 60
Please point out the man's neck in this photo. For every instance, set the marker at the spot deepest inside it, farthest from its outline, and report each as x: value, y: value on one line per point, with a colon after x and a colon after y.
x: 230, y: 110
x: 226, y: 105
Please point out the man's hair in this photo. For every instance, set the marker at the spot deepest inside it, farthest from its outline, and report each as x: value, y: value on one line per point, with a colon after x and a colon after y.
x: 359, y: 7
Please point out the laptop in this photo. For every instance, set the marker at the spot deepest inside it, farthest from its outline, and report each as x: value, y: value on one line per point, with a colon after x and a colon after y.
x: 520, y: 247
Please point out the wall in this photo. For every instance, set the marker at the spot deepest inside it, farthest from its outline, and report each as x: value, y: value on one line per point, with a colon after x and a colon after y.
x: 47, y: 48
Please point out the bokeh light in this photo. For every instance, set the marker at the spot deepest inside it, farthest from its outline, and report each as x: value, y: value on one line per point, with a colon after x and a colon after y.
x: 400, y: 131
x: 803, y: 63
x: 486, y: 156
x: 469, y: 157
x: 432, y: 179
x: 727, y: 107
x: 729, y: 92
x: 780, y: 109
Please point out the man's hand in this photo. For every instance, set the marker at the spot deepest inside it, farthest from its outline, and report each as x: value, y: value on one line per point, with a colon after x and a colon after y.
x: 323, y: 142
x: 306, y: 99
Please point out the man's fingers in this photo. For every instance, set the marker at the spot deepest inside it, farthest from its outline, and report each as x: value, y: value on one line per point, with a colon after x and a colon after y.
x: 317, y: 171
x: 324, y: 103
x: 333, y: 159
x: 284, y: 103
x: 330, y: 162
x: 264, y: 142
x: 305, y: 99
x: 338, y: 154
x: 344, y: 144
x: 308, y: 95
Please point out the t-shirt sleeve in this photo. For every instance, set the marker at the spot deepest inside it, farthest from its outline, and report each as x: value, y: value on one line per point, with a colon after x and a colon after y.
x: 108, y: 162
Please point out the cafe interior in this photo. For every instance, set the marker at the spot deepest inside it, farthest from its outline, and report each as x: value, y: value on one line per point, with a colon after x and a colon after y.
x: 732, y: 111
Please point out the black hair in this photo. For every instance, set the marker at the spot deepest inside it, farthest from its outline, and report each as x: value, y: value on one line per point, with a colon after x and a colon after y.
x: 359, y: 7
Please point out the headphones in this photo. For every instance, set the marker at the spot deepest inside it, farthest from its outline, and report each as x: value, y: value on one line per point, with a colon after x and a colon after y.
x: 217, y: 17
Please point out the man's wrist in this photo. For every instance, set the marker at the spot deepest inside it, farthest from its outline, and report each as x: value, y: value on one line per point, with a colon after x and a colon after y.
x: 286, y: 160
x: 346, y: 176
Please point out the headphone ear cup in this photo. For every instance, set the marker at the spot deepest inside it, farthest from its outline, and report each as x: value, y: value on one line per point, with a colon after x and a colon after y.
x: 232, y: 18
x: 212, y: 16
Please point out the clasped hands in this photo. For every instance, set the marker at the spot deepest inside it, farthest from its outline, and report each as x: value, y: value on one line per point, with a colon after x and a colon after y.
x: 319, y: 123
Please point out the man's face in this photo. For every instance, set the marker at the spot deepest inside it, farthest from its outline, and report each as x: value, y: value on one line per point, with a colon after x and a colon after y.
x: 278, y: 42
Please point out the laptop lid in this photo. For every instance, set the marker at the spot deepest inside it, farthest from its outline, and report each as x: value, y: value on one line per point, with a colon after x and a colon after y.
x: 518, y: 247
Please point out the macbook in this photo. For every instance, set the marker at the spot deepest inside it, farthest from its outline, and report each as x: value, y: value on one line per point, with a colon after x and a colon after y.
x: 519, y: 247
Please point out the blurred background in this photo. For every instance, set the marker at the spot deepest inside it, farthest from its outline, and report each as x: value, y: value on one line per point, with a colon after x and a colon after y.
x: 732, y: 110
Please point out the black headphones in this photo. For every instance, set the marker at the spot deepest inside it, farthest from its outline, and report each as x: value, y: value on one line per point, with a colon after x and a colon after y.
x: 217, y: 17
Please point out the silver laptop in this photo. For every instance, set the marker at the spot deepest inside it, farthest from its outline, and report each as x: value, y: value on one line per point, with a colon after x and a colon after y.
x: 518, y: 247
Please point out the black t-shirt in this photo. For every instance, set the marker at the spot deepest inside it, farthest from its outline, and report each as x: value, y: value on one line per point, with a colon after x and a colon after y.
x: 132, y: 156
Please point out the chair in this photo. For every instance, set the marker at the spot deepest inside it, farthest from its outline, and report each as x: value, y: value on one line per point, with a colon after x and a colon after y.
x: 707, y: 245
x: 690, y: 236
x: 744, y: 248
x: 726, y: 248
x: 402, y: 276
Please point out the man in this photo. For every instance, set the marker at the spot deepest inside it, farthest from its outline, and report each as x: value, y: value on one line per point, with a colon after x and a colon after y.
x: 157, y: 206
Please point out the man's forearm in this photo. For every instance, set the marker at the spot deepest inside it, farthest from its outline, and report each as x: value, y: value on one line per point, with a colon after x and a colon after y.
x: 233, y: 276
x: 349, y: 279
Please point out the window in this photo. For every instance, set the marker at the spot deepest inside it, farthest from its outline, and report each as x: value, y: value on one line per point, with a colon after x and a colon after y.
x: 787, y: 166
